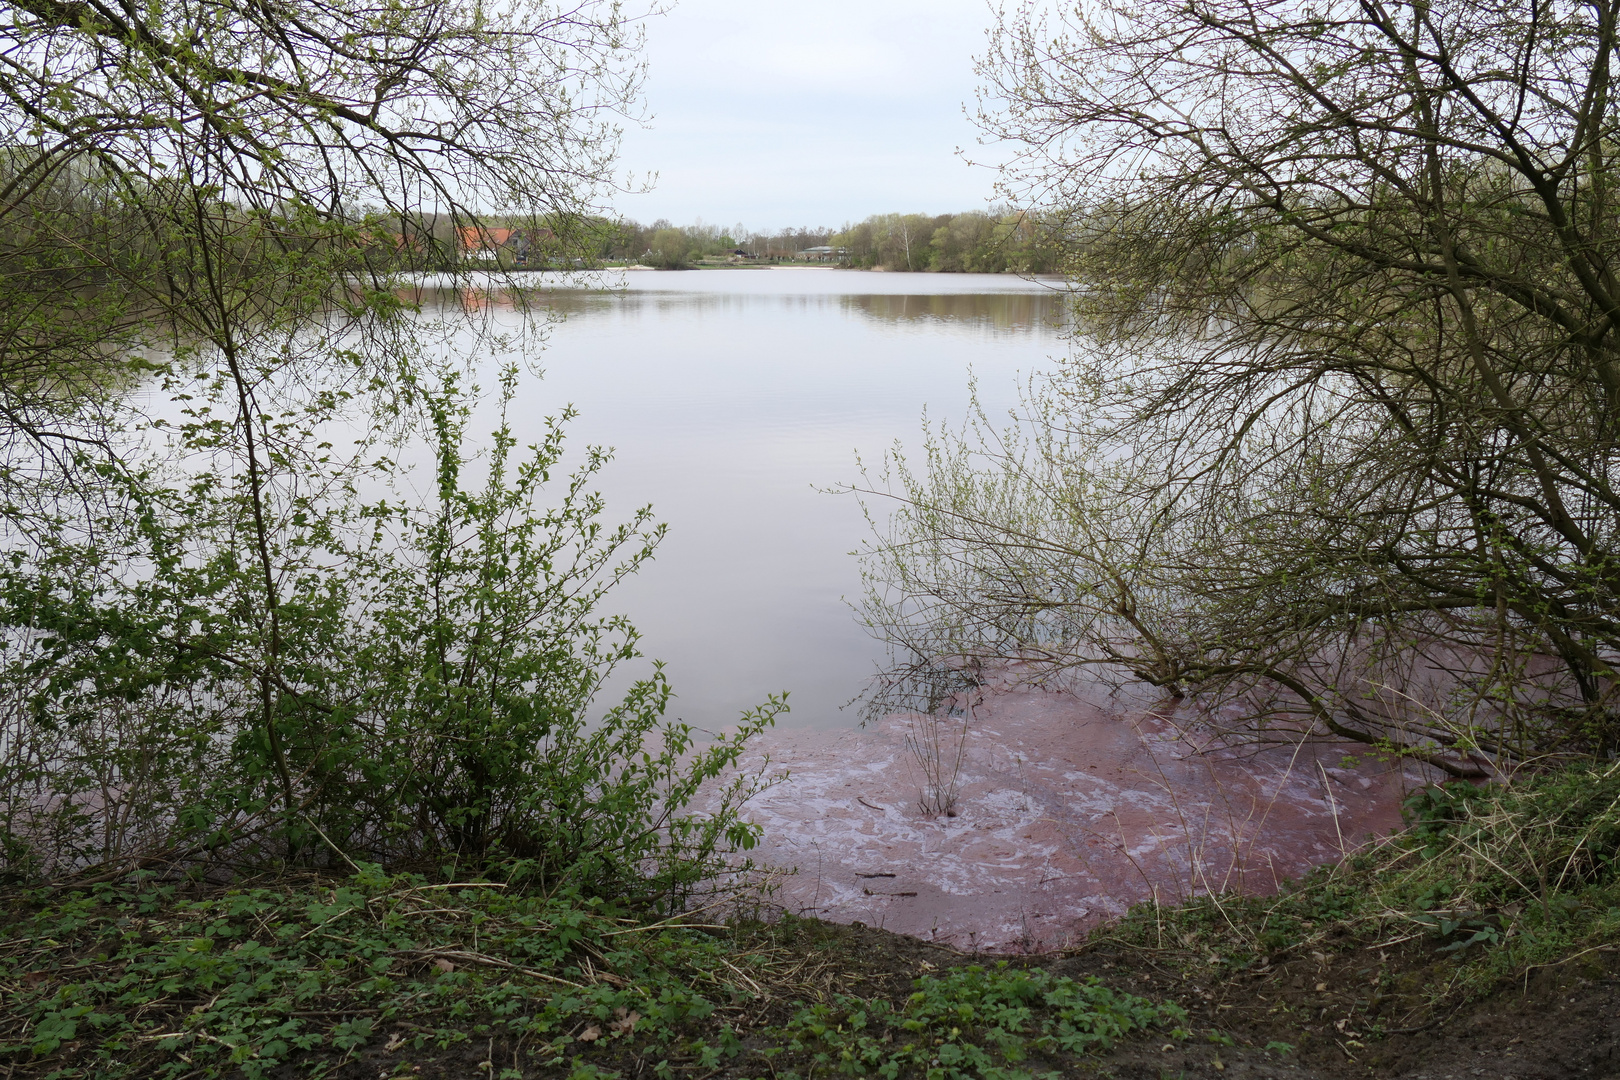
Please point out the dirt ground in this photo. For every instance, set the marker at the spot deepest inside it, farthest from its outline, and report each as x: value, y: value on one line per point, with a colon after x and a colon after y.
x: 1351, y: 1014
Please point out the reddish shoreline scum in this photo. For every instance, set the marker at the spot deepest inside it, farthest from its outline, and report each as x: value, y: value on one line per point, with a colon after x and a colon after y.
x: 1070, y: 808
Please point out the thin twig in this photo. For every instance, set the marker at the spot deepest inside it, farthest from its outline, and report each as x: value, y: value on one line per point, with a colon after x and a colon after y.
x: 490, y: 961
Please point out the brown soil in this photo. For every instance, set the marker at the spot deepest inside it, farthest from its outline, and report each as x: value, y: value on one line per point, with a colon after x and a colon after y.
x: 1356, y: 1015
x: 1350, y: 1014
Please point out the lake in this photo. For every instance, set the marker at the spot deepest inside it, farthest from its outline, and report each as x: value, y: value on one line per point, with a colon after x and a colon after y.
x: 733, y: 399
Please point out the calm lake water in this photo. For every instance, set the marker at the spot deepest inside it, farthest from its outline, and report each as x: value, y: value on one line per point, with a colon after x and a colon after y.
x: 731, y: 398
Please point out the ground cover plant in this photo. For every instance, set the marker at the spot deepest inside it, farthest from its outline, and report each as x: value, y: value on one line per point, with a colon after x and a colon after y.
x: 147, y: 978
x: 1384, y: 958
x: 150, y: 979
x: 368, y: 973
x: 971, y: 1022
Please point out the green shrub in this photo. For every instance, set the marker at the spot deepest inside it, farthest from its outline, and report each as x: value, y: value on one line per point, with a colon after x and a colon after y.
x: 253, y: 666
x: 479, y: 661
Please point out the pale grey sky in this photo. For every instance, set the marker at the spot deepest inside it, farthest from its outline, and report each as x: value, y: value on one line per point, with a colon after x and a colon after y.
x: 773, y: 114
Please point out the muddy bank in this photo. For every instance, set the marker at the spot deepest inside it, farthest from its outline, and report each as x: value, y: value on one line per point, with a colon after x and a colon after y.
x: 1068, y: 808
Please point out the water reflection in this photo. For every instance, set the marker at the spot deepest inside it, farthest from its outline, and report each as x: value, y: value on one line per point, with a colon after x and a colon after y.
x: 731, y: 398
x: 1008, y: 312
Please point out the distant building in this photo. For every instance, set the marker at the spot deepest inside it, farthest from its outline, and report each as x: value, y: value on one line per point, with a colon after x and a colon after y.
x: 481, y: 242
x: 487, y: 242
x: 823, y: 253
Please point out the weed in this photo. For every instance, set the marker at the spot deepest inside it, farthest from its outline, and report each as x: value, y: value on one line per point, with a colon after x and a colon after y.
x: 147, y: 979
x: 938, y: 744
x: 143, y: 980
x: 974, y: 1022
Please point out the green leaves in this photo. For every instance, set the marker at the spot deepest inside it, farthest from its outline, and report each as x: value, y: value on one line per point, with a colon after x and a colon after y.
x: 476, y: 674
x: 373, y: 679
x: 972, y: 1023
x: 142, y: 982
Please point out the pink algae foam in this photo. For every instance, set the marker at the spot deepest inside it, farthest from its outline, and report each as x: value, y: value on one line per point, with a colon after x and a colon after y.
x: 1070, y: 808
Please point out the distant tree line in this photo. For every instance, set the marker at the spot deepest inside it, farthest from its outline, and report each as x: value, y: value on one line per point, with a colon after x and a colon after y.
x: 972, y: 242
x: 672, y: 247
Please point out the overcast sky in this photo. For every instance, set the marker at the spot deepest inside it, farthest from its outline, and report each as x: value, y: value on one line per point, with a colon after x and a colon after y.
x: 782, y: 113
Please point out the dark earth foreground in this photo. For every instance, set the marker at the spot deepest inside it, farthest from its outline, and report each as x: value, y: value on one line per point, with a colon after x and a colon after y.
x: 1345, y: 1015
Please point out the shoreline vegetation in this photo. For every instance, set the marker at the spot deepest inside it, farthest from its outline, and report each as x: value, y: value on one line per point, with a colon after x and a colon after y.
x: 1483, y: 933
x: 994, y: 242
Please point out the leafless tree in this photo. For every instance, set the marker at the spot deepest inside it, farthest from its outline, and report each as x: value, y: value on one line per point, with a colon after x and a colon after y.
x: 1338, y: 438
